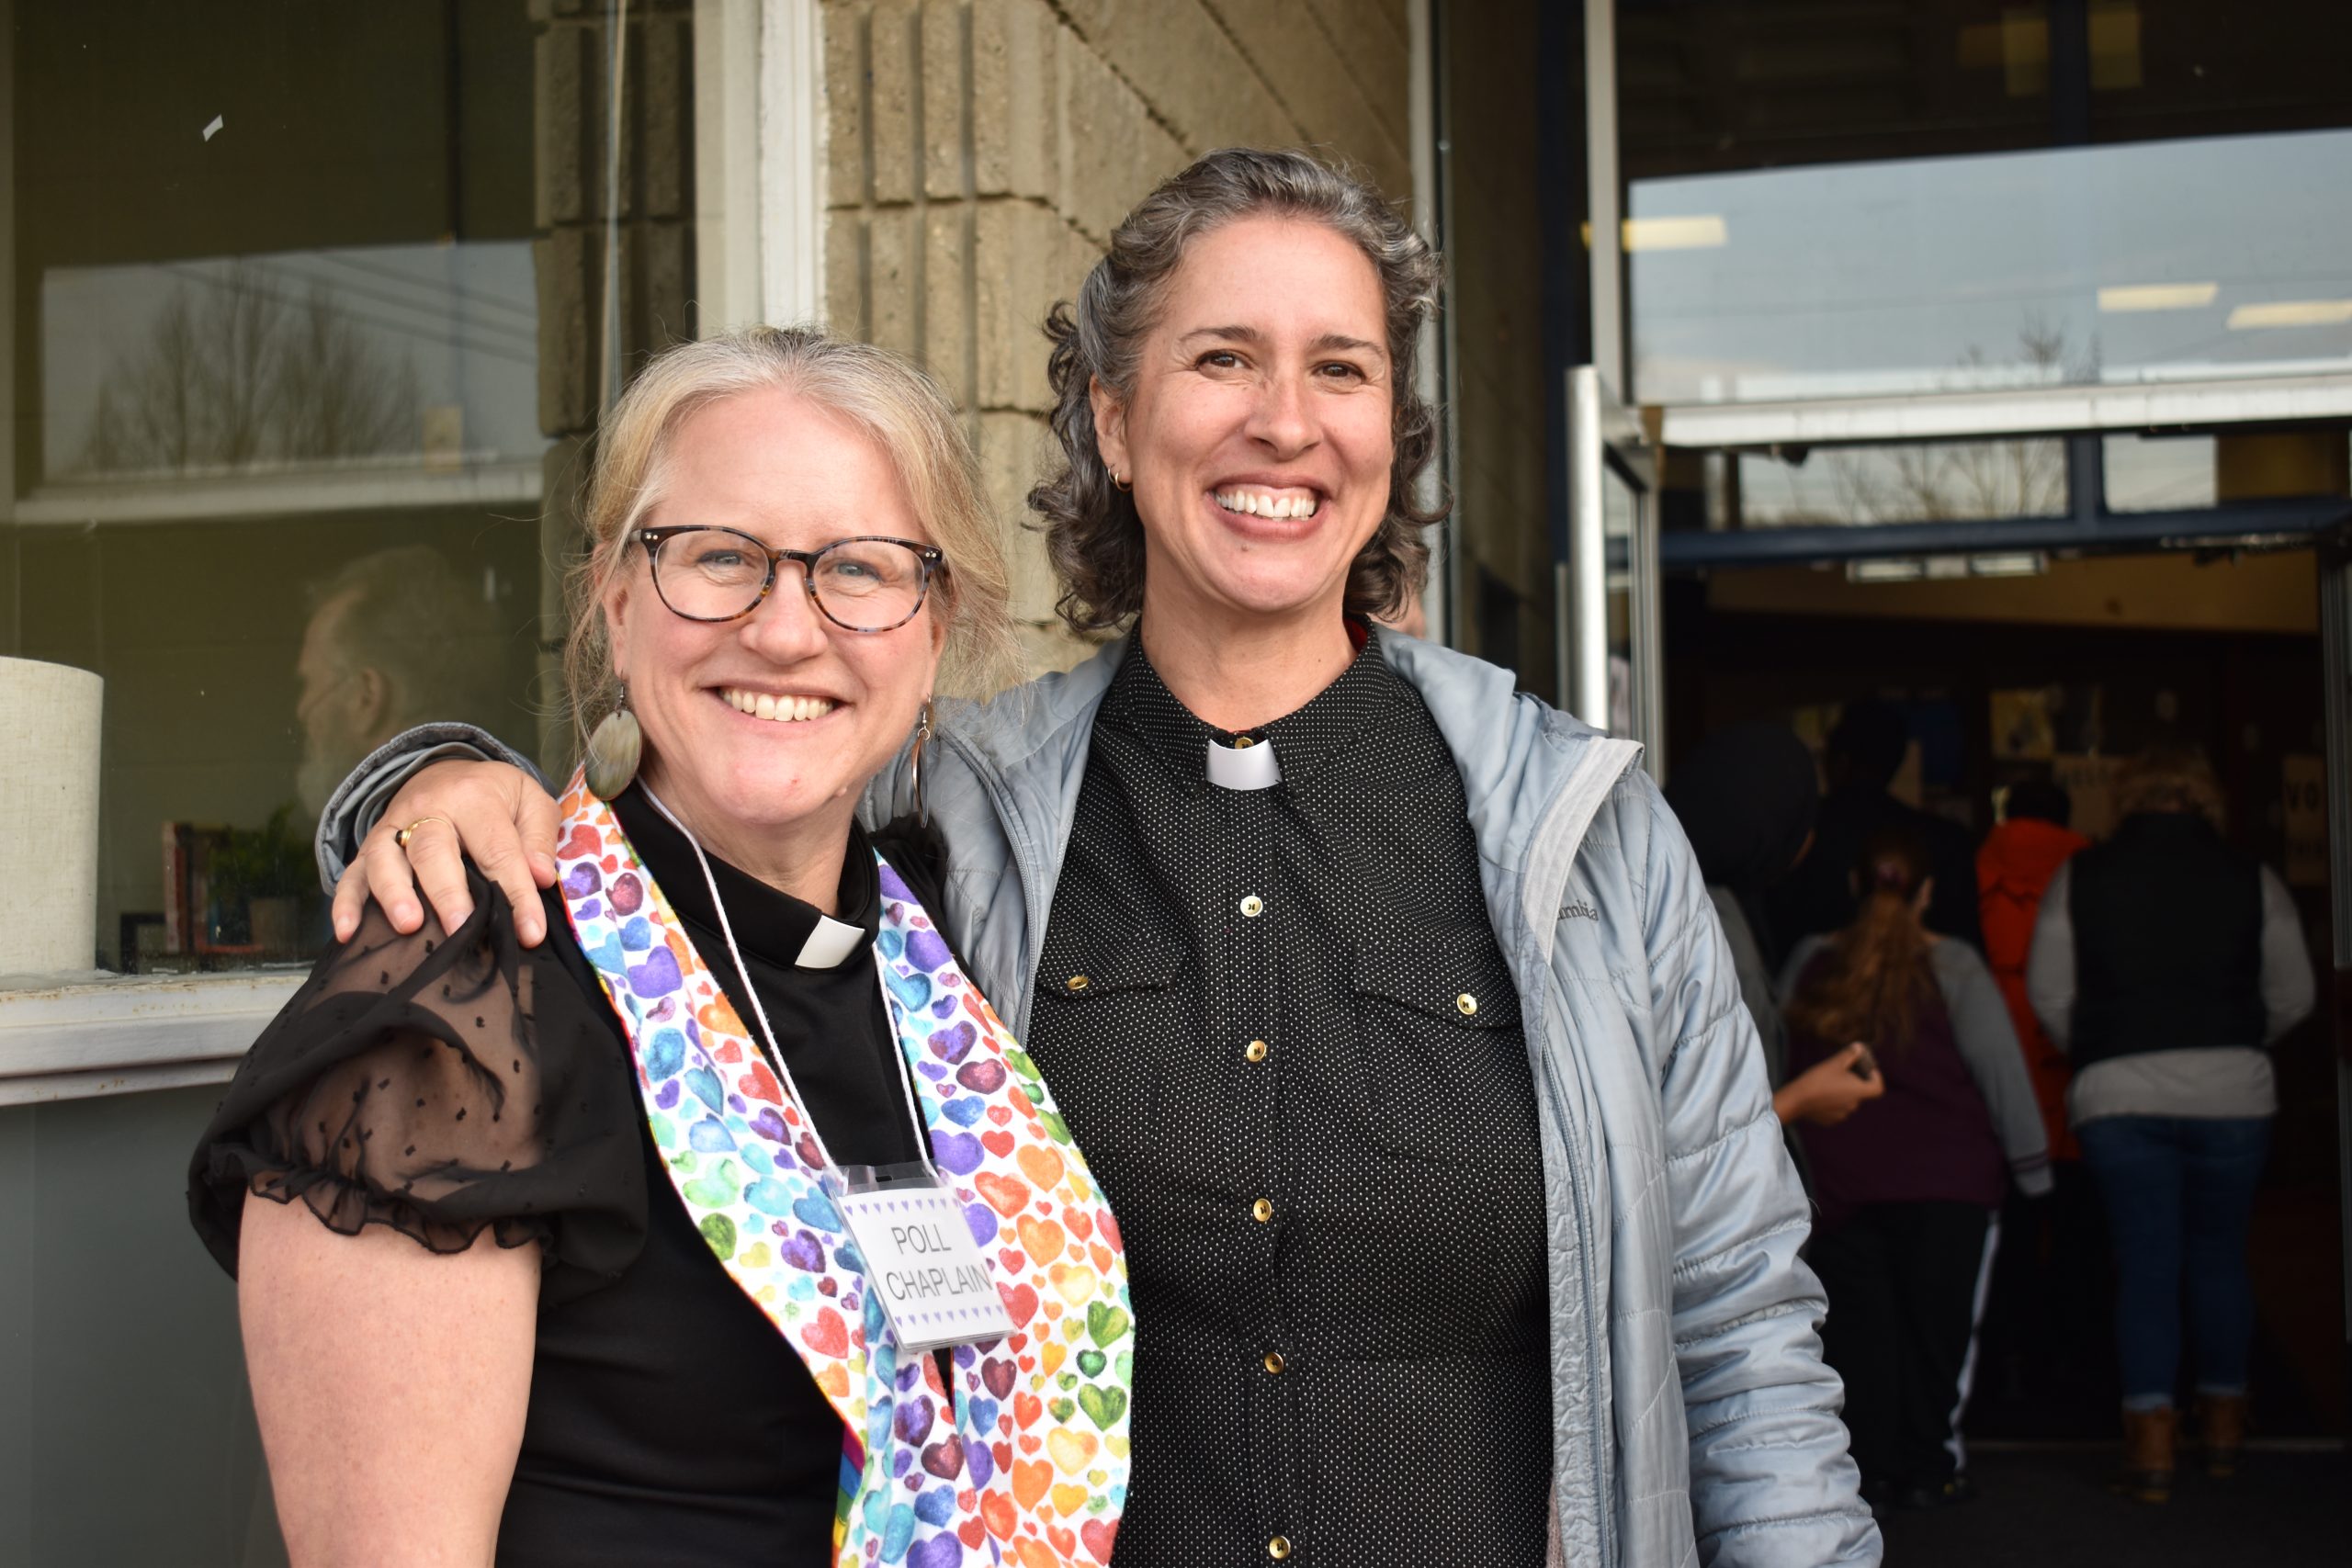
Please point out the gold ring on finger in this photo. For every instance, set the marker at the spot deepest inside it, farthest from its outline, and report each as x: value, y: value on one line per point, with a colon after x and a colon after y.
x: 402, y: 837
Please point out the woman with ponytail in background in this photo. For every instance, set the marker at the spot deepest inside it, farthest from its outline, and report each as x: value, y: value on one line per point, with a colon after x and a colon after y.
x: 1909, y: 1186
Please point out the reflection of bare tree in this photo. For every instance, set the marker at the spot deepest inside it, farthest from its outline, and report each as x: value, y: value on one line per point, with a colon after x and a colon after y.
x: 237, y: 376
x: 1952, y: 482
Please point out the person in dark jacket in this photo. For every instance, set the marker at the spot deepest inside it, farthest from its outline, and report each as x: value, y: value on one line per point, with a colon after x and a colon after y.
x: 1747, y: 797
x: 2165, y: 963
x: 1910, y: 1188
x: 1865, y: 751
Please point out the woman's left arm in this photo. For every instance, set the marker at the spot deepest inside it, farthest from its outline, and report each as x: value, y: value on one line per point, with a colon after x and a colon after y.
x: 390, y: 1383
x: 1770, y: 1482
x: 2288, y: 989
x: 1989, y: 1050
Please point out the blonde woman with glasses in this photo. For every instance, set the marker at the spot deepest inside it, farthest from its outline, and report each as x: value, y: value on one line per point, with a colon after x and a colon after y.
x: 718, y: 1227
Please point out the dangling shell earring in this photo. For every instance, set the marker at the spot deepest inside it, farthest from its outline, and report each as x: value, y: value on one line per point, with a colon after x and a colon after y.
x: 914, y: 763
x: 613, y: 751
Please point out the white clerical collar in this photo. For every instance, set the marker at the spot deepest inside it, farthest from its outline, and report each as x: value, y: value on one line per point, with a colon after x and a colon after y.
x: 830, y: 945
x: 1251, y: 764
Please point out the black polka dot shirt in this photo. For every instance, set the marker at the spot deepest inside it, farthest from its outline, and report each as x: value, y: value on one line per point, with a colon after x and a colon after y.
x: 1280, y: 1026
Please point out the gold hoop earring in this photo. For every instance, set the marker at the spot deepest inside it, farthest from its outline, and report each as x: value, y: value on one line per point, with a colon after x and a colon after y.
x: 1124, y: 486
x: 914, y: 763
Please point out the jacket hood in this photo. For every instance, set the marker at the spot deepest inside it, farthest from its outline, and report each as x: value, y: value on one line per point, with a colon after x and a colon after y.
x: 2019, y: 857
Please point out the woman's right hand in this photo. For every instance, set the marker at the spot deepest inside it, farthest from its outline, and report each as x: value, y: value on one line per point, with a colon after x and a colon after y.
x: 493, y: 811
x: 1827, y: 1092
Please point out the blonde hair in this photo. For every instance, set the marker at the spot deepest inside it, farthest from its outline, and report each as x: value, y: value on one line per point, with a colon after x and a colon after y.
x: 897, y: 405
x: 2169, y: 778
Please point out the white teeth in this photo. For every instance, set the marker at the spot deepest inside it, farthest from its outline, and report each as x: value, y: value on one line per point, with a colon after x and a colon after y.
x: 779, y: 710
x: 1263, y: 503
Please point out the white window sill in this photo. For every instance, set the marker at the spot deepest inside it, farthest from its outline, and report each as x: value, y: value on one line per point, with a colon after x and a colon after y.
x: 135, y: 1033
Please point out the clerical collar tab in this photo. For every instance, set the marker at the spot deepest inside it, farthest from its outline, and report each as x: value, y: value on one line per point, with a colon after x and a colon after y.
x: 830, y: 945
x: 1248, y: 764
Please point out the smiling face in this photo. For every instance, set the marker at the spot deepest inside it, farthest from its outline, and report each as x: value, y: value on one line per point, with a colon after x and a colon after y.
x: 760, y: 732
x: 1258, y: 435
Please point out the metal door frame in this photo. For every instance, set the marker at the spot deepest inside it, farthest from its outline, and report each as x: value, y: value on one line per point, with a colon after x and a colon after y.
x: 1603, y: 435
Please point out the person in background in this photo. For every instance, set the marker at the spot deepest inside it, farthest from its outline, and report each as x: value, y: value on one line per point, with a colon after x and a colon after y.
x: 2013, y: 867
x: 395, y: 637
x: 2044, y: 1329
x: 2165, y: 963
x: 1747, y: 797
x: 1863, y: 754
x: 1910, y: 1188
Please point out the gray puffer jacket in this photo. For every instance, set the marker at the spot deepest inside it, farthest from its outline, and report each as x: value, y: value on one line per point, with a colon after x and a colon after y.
x: 1694, y: 1421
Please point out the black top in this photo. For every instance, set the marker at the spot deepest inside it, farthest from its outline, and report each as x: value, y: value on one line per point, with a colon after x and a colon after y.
x: 443, y: 1086
x: 2167, y: 920
x: 1819, y: 897
x: 1398, y: 1265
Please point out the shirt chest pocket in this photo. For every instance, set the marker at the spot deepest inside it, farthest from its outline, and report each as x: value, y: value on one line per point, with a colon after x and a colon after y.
x: 1442, y: 1062
x: 1108, y: 1017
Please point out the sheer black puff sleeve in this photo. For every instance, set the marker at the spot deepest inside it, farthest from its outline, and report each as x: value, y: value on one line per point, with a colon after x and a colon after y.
x: 442, y: 1085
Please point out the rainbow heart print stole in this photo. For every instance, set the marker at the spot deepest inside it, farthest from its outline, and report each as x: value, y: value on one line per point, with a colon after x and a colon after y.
x: 1026, y: 1464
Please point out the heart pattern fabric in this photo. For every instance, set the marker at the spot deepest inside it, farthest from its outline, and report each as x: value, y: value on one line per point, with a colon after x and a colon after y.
x: 1026, y: 1463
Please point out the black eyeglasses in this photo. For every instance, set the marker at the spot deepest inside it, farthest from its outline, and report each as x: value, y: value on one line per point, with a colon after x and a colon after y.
x: 870, y: 583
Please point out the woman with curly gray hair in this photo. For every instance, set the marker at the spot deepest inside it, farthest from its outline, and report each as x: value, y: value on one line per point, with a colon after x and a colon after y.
x: 1388, y: 1004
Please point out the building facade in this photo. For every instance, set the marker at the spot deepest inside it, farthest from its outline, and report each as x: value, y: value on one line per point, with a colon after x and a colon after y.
x: 1990, y: 357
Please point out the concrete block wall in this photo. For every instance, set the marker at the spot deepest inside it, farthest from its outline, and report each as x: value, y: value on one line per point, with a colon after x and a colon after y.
x: 572, y: 114
x: 978, y: 151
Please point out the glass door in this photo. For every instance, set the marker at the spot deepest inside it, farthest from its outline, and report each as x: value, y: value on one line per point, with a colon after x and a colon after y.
x: 1606, y: 636
x: 2335, y: 638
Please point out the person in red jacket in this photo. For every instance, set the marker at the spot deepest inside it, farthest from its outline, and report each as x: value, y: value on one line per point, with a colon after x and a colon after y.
x: 2045, y: 1325
x: 2014, y: 866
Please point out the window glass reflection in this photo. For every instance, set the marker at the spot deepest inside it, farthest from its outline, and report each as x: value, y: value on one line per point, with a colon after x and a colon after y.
x: 2159, y: 474
x: 1855, y: 486
x: 2230, y: 257
x: 279, y: 430
x: 351, y: 357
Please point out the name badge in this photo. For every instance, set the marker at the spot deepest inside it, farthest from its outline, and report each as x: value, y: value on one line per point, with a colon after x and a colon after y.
x: 921, y: 1262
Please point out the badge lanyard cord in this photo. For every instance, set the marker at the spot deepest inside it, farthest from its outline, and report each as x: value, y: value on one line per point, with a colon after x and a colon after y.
x: 759, y: 1012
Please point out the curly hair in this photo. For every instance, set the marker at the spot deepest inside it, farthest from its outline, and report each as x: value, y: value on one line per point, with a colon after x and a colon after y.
x: 1093, y: 536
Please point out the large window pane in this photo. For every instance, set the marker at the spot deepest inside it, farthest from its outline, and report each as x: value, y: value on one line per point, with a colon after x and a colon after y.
x: 289, y: 466
x: 2158, y: 260
x: 1947, y: 482
x: 1849, y: 198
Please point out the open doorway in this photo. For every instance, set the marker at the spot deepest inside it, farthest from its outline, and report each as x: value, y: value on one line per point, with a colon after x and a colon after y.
x: 2032, y: 669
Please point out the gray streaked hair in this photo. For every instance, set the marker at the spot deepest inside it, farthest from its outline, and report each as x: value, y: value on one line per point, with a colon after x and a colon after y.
x: 900, y: 408
x: 411, y: 615
x: 1093, y: 534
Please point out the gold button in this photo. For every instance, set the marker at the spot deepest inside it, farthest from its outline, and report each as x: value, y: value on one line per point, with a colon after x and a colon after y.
x: 1255, y: 1050
x: 1253, y: 906
x: 1278, y: 1548
x: 1076, y: 982
x: 1243, y: 743
x: 1275, y: 1362
x: 1465, y: 1002
x: 1262, y: 1210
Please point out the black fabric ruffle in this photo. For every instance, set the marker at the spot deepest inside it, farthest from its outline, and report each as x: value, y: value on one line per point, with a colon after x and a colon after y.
x: 440, y: 1085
